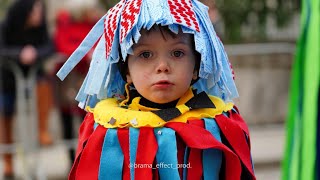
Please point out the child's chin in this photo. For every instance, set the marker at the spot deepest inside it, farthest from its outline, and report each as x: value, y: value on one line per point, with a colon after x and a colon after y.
x: 163, y: 101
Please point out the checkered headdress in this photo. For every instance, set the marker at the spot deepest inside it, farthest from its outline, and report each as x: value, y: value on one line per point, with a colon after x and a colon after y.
x: 119, y: 29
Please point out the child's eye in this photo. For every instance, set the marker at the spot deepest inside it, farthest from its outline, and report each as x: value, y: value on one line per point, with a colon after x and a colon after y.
x: 177, y: 53
x: 145, y: 55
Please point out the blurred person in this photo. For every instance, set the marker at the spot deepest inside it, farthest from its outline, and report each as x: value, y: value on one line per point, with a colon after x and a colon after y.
x: 24, y: 39
x: 71, y: 28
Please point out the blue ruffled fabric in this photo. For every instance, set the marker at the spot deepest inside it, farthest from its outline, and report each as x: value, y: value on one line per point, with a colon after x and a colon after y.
x: 111, y: 162
x: 104, y: 80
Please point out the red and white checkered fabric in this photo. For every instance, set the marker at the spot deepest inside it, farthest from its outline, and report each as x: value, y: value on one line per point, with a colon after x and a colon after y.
x: 111, y: 23
x: 129, y: 17
x: 182, y: 13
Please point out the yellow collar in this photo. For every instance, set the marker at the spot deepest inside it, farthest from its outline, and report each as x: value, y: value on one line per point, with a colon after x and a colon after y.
x: 135, y: 104
x: 109, y: 114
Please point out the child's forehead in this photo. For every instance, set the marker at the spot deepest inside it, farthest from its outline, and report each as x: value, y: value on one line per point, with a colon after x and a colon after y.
x: 165, y: 33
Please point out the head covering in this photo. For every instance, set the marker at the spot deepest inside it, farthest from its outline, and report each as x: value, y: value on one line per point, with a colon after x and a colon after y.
x: 119, y: 29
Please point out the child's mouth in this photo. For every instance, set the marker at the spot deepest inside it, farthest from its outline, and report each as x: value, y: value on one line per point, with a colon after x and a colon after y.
x: 163, y: 84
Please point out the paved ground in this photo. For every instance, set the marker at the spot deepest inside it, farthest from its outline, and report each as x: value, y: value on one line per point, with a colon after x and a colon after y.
x: 267, y: 150
x: 52, y: 162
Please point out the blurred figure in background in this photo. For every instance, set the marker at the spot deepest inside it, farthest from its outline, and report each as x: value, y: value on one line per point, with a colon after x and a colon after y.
x: 24, y: 39
x: 71, y: 29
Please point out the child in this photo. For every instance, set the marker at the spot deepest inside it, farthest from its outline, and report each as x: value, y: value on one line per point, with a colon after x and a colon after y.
x: 174, y: 118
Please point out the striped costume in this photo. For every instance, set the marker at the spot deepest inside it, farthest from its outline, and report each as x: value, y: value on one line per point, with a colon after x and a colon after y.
x: 134, y: 142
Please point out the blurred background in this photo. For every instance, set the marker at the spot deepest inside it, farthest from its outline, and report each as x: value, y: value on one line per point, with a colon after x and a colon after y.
x: 260, y: 39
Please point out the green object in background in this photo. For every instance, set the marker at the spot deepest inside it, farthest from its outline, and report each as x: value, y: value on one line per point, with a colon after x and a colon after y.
x: 3, y: 7
x: 300, y: 158
x: 108, y: 3
x: 254, y: 15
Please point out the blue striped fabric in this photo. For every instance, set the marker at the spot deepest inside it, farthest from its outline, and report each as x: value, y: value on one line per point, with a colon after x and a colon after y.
x: 212, y: 158
x: 185, y: 161
x: 133, y: 144
x: 111, y: 162
x: 167, y: 160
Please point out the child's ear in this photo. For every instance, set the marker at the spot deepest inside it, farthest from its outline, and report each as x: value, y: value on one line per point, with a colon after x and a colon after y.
x: 129, y: 79
x: 195, y: 75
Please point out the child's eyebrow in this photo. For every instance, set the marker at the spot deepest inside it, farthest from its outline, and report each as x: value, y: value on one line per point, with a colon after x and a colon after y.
x: 146, y: 45
x: 139, y: 45
x: 178, y: 40
x: 182, y: 41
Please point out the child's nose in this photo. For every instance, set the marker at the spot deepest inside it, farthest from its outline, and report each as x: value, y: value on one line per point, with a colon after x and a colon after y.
x: 163, y: 65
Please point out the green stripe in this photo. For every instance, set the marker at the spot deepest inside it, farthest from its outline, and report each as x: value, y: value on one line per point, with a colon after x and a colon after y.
x: 294, y: 164
x: 300, y: 153
x: 311, y: 86
x: 290, y: 161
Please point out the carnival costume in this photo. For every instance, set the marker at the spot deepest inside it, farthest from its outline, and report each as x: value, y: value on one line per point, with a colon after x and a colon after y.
x: 125, y: 136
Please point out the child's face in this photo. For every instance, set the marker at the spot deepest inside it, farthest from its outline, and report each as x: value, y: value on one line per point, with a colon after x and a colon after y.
x: 162, y: 66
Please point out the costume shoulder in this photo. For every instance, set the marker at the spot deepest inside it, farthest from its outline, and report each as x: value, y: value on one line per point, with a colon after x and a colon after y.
x: 111, y: 114
x: 201, y: 143
x: 236, y: 136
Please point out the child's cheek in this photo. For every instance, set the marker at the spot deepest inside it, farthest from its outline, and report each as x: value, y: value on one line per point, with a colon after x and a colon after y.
x: 146, y: 76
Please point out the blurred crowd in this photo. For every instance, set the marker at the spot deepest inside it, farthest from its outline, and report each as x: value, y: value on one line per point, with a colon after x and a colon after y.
x: 25, y: 41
